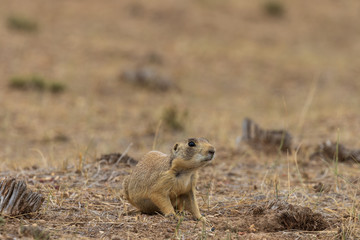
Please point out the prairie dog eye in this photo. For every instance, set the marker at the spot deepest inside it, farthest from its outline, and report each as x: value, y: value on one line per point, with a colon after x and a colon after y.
x: 191, y: 144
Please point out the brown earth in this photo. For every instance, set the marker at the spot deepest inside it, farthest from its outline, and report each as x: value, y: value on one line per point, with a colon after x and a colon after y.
x: 140, y: 75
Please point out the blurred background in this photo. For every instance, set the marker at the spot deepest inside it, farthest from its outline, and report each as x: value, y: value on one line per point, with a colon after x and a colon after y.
x: 91, y: 77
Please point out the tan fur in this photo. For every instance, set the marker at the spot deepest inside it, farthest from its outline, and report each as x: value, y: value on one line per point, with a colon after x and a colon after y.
x: 165, y: 183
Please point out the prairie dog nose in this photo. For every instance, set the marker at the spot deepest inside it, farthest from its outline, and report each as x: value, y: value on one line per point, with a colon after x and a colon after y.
x: 211, y: 152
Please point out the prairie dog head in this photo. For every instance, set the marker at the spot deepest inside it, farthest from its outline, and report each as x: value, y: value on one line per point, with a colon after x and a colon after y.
x: 193, y: 152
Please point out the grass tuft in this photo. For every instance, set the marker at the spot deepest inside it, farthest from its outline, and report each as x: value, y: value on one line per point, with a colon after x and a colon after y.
x: 18, y: 83
x: 57, y: 87
x: 22, y: 24
x: 174, y: 119
x: 348, y: 230
x: 274, y: 8
x: 177, y: 229
x: 35, y: 83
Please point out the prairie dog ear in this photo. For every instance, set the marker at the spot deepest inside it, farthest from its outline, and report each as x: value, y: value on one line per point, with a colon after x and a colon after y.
x: 175, y: 148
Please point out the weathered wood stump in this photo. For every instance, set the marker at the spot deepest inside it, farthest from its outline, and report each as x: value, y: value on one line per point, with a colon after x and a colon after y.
x: 16, y: 199
x: 329, y: 151
x: 265, y: 140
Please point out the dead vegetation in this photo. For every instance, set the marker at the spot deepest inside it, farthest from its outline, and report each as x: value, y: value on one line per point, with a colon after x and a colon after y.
x: 274, y: 216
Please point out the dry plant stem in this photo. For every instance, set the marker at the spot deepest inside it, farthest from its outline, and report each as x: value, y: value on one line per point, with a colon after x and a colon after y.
x: 307, y: 104
x: 156, y: 134
x: 80, y: 163
x: 297, y: 165
x: 288, y: 173
x: 124, y: 153
x: 263, y: 181
x: 42, y: 156
x: 276, y: 186
x: 336, y: 170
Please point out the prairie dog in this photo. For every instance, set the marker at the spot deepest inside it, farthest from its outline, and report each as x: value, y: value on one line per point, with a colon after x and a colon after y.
x: 165, y: 183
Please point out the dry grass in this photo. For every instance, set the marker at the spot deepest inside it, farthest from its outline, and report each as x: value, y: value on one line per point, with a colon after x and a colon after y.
x: 229, y: 61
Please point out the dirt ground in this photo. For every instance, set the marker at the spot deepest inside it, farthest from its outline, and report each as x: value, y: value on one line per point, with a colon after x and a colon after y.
x: 141, y: 75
